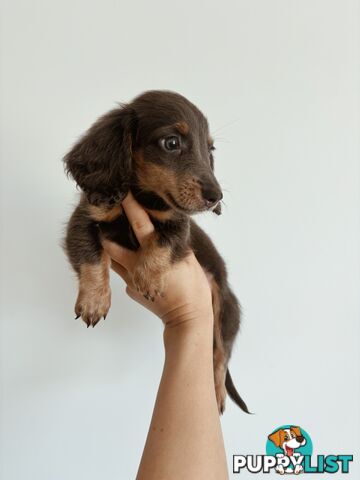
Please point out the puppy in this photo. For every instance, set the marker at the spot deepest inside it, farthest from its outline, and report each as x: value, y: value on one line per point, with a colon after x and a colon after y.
x: 159, y: 148
x: 288, y: 439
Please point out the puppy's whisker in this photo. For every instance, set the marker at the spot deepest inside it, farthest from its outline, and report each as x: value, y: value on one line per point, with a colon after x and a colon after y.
x: 227, y: 125
x: 221, y: 140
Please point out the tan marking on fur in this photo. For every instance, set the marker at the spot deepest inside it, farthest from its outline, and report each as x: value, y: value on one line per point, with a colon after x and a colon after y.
x: 185, y: 189
x: 104, y: 213
x: 94, y: 296
x: 153, y: 177
x: 220, y: 365
x: 161, y: 216
x: 182, y: 127
x: 149, y: 275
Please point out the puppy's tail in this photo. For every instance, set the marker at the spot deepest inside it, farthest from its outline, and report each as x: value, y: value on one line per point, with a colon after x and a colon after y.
x: 233, y: 393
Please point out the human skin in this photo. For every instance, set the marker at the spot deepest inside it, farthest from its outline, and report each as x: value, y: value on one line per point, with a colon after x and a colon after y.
x: 184, y: 438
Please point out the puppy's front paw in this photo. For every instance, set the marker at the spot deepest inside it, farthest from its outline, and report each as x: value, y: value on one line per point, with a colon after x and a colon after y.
x: 149, y: 282
x: 91, y: 306
x: 280, y: 469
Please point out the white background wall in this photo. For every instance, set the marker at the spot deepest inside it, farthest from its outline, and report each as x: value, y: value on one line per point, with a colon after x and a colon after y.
x: 278, y: 81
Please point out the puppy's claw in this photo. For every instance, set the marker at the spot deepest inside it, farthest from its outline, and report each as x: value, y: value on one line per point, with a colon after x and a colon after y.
x: 95, y: 322
x: 77, y: 316
x: 159, y: 293
x: 92, y: 308
x: 148, y: 296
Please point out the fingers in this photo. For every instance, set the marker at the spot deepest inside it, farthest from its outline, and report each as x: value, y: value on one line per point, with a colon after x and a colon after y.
x: 120, y: 255
x: 120, y: 270
x: 138, y: 218
x: 133, y: 294
x: 137, y: 297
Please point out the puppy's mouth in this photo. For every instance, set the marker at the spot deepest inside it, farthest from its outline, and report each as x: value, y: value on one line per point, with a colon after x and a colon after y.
x: 289, y: 450
x: 175, y: 204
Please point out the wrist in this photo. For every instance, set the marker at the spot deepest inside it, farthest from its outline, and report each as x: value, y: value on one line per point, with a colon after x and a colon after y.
x: 187, y: 313
x: 188, y: 326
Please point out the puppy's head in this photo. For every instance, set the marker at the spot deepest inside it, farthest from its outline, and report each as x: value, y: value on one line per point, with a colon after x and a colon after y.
x: 288, y: 439
x: 173, y: 154
x: 160, y: 144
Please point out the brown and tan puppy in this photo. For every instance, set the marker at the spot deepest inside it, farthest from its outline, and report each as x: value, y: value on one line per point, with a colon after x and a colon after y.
x: 159, y: 148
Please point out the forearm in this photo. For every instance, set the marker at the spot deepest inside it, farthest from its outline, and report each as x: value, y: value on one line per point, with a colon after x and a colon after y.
x: 185, y: 410
x: 184, y: 439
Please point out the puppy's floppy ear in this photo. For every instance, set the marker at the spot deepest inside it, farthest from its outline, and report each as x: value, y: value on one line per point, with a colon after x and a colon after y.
x: 297, y: 431
x: 275, y: 438
x: 100, y: 162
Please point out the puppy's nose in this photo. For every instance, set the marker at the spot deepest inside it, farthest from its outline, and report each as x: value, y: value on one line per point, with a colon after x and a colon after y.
x: 211, y: 194
x: 300, y: 438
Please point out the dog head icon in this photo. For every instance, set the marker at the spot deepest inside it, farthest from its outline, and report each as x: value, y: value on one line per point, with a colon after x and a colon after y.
x: 288, y: 439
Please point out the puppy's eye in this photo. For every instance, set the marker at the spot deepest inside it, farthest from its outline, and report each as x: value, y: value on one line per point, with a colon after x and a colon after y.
x: 171, y: 143
x: 286, y: 438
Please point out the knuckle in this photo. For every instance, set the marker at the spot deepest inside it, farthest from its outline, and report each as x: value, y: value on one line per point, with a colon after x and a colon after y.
x: 139, y: 225
x: 116, y: 253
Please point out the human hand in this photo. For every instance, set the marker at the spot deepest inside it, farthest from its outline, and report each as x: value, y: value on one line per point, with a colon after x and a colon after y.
x: 187, y: 295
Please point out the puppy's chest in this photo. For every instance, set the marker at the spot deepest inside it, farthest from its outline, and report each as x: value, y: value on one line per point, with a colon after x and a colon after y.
x: 173, y: 234
x: 119, y: 231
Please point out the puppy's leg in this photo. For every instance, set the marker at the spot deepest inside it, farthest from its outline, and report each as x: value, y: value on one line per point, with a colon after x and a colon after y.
x: 91, y: 263
x: 94, y: 298
x: 150, y: 273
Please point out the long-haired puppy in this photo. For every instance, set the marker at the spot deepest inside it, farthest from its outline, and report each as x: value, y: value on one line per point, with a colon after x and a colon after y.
x: 159, y: 148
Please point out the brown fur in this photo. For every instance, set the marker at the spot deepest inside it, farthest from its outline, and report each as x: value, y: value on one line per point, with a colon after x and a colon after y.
x: 105, y: 213
x: 220, y: 360
x: 182, y: 127
x: 94, y: 297
x: 158, y: 147
x: 153, y: 265
x: 161, y: 216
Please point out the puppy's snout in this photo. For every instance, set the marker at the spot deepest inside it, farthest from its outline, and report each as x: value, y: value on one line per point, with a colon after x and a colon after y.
x: 300, y: 438
x: 211, y: 194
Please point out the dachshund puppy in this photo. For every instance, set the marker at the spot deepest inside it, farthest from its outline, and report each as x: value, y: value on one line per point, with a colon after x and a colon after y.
x: 159, y: 148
